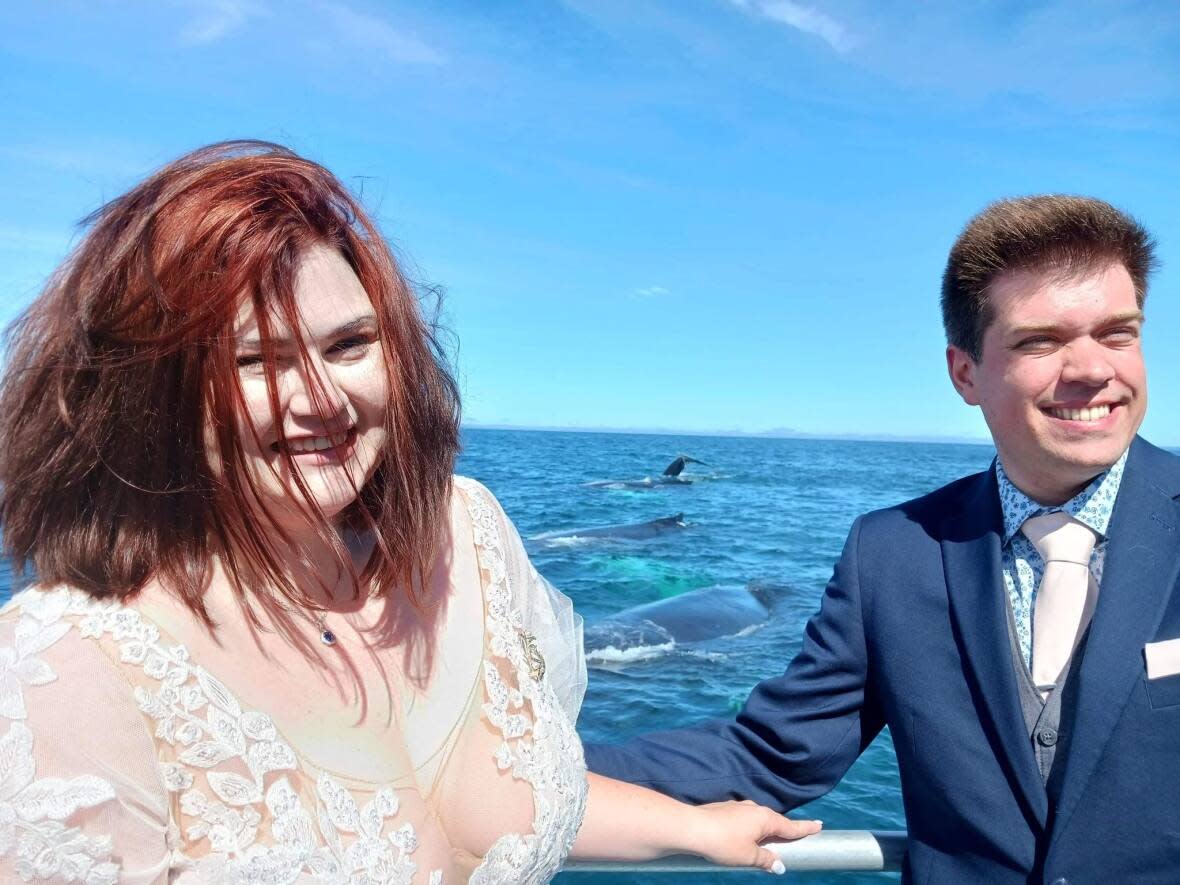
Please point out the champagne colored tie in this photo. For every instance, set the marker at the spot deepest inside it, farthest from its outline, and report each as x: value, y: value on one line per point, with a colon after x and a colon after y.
x: 1066, y: 597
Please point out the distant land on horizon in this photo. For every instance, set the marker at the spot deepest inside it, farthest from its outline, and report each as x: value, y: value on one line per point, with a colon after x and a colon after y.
x: 775, y: 433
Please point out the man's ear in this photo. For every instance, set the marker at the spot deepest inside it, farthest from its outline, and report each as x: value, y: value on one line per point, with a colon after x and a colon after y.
x: 961, y: 367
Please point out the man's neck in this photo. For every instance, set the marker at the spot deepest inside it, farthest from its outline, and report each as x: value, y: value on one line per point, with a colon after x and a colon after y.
x: 1049, y: 494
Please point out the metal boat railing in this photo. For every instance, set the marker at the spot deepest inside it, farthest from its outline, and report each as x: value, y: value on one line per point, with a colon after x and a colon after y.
x: 830, y: 851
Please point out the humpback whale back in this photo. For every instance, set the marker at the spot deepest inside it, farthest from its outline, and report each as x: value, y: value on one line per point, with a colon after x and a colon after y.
x: 699, y: 615
x: 639, y: 531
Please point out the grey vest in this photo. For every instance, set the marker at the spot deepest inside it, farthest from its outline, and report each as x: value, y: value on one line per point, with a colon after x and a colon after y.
x: 1048, y: 729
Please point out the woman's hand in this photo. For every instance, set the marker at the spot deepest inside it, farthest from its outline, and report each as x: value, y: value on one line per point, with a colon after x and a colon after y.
x: 731, y: 833
x: 625, y: 822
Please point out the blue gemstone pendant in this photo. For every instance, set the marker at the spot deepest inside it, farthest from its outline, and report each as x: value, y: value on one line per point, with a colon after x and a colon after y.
x: 327, y: 637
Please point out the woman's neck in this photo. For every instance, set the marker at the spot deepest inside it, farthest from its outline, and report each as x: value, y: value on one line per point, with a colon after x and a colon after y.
x: 326, y: 569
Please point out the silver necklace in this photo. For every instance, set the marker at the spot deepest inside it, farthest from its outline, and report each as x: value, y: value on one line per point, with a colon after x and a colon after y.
x: 327, y: 637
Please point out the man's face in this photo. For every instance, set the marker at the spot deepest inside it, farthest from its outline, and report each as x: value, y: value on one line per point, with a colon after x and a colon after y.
x: 1060, y: 380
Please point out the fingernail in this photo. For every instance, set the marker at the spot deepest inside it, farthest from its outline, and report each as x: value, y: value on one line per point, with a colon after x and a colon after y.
x: 778, y: 868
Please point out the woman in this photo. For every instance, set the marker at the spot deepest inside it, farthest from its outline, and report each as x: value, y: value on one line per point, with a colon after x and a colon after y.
x: 272, y: 640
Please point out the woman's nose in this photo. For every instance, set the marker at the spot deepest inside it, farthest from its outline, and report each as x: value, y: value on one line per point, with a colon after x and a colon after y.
x: 314, y: 391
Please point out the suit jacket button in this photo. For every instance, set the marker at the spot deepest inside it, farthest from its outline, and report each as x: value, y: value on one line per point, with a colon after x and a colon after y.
x: 1047, y: 737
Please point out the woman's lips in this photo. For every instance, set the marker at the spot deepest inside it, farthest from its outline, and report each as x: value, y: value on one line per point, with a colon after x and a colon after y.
x: 319, y: 449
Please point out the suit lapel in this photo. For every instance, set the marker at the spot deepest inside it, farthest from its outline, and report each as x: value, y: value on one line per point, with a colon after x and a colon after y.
x: 975, y: 585
x: 1142, y: 560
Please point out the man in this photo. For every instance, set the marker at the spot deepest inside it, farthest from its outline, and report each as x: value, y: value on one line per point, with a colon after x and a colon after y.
x: 1034, y: 706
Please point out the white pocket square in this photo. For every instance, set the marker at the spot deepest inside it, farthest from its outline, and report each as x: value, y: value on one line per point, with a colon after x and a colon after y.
x: 1163, y: 658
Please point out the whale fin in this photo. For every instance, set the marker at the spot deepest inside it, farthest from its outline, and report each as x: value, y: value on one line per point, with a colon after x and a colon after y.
x: 677, y: 466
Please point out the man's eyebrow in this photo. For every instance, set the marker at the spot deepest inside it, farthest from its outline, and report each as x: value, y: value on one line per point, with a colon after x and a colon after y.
x: 364, y: 323
x: 1130, y: 316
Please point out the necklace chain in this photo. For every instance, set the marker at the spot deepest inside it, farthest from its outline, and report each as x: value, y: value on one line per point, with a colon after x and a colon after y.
x: 327, y: 635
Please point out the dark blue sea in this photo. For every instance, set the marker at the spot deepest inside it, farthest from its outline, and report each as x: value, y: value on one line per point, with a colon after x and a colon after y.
x: 760, y: 509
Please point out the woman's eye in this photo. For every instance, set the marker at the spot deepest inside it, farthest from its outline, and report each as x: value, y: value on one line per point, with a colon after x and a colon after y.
x: 352, y: 345
x: 249, y: 360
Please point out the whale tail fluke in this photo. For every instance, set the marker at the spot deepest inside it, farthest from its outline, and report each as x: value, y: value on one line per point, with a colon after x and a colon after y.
x: 677, y: 466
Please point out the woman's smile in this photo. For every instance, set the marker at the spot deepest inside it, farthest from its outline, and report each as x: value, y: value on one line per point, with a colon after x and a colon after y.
x: 328, y: 381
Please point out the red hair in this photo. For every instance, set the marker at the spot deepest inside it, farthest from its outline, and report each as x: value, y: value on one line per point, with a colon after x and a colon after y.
x: 125, y: 365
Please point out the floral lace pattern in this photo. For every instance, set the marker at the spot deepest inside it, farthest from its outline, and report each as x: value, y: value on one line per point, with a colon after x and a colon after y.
x: 543, y: 750
x: 33, y: 811
x: 227, y: 766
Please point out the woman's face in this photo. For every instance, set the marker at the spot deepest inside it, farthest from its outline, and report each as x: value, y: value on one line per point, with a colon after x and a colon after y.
x: 332, y: 403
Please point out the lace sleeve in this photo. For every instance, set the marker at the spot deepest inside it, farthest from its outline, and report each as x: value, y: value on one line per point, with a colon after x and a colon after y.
x: 81, y: 796
x: 548, y: 615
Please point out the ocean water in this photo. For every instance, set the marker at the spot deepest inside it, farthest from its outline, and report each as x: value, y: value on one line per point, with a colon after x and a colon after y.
x: 760, y: 509
x: 772, y: 510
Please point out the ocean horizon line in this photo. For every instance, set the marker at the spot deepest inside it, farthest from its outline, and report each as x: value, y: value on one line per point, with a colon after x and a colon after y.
x: 735, y: 434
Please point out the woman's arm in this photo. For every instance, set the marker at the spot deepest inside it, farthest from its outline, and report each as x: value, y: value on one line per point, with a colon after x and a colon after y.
x: 626, y: 822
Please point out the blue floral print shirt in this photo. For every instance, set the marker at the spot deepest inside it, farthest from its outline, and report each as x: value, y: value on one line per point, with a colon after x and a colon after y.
x: 1022, y: 565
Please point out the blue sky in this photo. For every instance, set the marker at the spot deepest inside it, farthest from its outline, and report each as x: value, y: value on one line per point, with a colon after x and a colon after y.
x: 694, y: 214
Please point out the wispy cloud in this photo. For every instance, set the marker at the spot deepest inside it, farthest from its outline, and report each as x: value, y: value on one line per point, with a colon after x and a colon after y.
x: 803, y: 18
x: 651, y: 292
x: 378, y: 35
x: 217, y: 19
x: 1120, y: 58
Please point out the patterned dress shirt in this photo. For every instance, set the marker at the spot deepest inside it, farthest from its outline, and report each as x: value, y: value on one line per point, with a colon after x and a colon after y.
x: 1022, y: 564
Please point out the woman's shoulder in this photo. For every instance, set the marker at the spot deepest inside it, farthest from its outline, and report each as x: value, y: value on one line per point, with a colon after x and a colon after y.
x: 40, y: 618
x: 481, y: 507
x: 76, y: 747
x: 473, y: 493
x: 51, y: 643
x: 477, y: 514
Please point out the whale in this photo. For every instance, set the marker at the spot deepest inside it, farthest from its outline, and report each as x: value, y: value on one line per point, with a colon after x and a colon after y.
x: 696, y: 616
x: 677, y: 466
x: 636, y: 531
x: 670, y: 477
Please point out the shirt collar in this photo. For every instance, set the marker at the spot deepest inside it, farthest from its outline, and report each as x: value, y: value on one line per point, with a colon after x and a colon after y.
x: 1091, y: 506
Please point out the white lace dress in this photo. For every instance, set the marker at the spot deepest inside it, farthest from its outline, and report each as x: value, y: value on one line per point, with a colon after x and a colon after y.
x: 123, y: 760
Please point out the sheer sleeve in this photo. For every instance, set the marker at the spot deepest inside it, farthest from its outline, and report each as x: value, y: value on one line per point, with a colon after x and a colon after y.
x: 549, y: 616
x: 514, y: 791
x: 81, y: 795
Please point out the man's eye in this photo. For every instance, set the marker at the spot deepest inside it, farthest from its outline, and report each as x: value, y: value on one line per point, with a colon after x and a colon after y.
x: 1121, y: 336
x: 1037, y: 342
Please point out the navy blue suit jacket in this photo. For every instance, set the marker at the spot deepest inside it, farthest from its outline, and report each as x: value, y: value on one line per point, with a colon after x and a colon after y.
x: 912, y: 633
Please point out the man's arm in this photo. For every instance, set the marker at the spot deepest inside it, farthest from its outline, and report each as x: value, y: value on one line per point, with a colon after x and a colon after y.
x: 796, y: 735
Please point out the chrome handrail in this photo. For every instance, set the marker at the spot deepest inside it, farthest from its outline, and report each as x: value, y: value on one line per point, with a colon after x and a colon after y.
x: 831, y: 851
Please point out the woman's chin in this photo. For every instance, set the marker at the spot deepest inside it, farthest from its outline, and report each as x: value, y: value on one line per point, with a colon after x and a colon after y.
x: 295, y: 513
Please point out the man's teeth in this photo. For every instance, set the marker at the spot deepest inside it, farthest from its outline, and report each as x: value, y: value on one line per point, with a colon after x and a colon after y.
x: 316, y: 443
x: 1096, y: 413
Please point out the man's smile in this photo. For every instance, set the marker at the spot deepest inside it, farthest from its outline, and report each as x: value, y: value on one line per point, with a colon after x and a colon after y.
x: 1092, y: 416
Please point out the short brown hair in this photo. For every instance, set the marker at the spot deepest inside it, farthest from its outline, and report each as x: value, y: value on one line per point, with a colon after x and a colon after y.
x: 1038, y: 233
x: 120, y: 367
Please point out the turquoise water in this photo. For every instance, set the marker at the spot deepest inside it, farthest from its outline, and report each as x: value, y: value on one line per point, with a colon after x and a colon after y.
x: 771, y: 509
